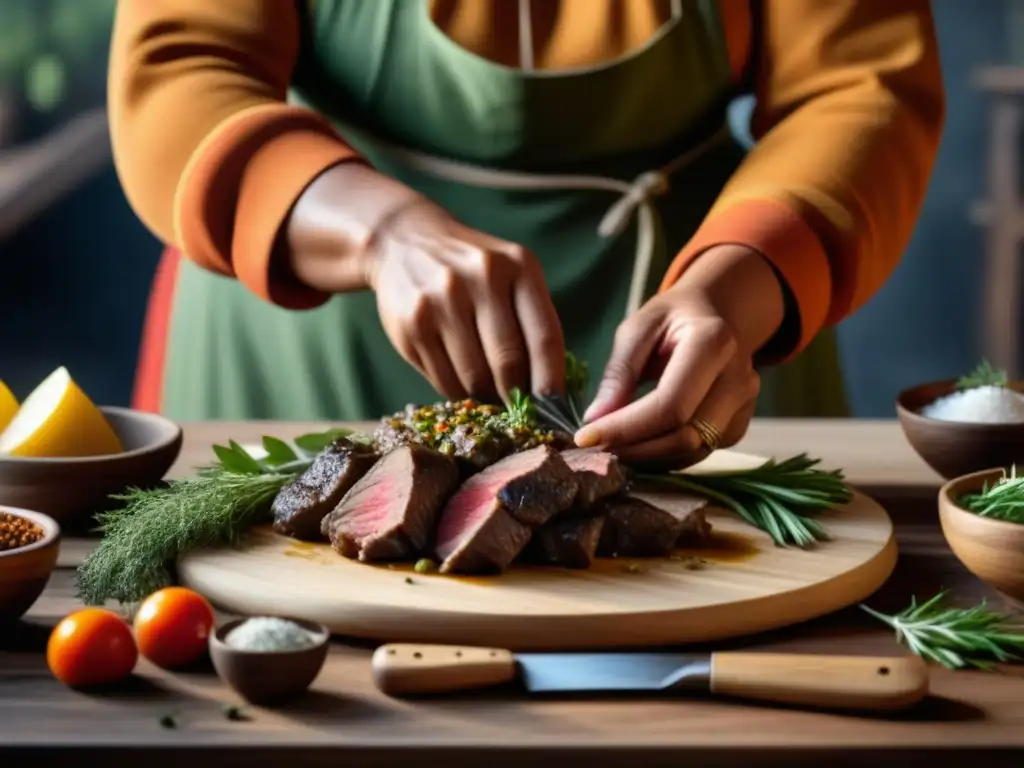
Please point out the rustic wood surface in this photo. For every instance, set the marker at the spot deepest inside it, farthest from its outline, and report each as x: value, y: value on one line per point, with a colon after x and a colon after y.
x: 343, y: 720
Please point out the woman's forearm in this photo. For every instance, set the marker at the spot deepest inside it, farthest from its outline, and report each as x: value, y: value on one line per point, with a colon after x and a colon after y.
x: 327, y: 238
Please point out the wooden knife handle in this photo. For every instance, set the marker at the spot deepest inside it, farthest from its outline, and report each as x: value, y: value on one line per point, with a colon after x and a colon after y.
x: 839, y: 682
x: 405, y: 669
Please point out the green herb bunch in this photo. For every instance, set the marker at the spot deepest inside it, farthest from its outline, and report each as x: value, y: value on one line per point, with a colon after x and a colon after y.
x: 142, y: 539
x: 1002, y: 500
x: 956, y: 638
x: 983, y: 376
x: 773, y: 497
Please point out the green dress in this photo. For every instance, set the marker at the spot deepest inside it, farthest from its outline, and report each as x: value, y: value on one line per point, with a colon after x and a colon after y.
x: 569, y: 164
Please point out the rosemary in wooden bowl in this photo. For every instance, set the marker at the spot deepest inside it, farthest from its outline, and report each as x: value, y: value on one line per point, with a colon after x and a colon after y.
x: 1001, y: 500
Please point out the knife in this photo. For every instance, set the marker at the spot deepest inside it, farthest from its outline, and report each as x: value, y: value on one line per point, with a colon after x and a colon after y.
x: 832, y: 682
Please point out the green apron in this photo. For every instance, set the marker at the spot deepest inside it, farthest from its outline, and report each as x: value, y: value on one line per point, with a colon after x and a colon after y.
x: 535, y: 157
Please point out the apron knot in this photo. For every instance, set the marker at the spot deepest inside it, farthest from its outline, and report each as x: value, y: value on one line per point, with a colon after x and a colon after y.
x: 646, y: 186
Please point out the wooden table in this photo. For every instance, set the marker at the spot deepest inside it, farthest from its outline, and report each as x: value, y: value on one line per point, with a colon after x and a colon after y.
x: 343, y: 721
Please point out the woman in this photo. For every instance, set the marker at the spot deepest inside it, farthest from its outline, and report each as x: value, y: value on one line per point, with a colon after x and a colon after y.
x: 379, y: 200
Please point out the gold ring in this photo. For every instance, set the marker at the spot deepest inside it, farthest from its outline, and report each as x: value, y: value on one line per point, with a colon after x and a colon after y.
x: 709, y: 434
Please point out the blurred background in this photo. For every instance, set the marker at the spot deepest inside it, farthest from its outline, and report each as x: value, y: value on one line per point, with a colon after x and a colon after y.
x: 76, y: 264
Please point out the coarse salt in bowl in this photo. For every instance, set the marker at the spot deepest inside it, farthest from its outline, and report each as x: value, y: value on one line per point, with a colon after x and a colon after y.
x: 979, y: 405
x: 957, y: 432
x: 264, y: 663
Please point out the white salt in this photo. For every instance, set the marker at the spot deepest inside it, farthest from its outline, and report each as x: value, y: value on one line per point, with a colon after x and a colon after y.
x: 980, y: 405
x: 268, y: 633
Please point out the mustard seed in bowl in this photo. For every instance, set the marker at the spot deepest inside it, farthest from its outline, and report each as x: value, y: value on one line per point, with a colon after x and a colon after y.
x: 17, y: 532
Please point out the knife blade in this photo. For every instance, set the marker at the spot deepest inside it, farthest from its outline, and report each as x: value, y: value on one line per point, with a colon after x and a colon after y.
x: 818, y: 681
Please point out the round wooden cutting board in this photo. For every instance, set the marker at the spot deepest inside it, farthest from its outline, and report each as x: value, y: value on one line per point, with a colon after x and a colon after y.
x: 742, y: 584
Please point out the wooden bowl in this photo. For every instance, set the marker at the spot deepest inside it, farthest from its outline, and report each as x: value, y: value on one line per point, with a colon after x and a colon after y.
x: 24, y: 572
x: 955, y: 448
x: 268, y: 677
x: 993, y: 550
x: 71, y: 489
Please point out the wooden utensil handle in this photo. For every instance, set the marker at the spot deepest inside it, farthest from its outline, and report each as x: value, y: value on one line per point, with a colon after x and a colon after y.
x: 405, y: 669
x: 840, y: 682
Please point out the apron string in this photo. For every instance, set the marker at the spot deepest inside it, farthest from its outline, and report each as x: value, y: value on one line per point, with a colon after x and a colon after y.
x: 525, y: 36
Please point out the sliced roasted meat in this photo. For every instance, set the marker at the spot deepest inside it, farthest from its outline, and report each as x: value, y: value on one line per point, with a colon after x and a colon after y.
x: 494, y: 513
x: 598, y: 473
x: 568, y: 541
x: 391, y: 512
x: 634, y: 527
x: 301, y: 505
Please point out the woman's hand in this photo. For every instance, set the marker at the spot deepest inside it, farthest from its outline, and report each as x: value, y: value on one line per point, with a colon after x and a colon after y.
x: 469, y: 311
x: 697, y: 339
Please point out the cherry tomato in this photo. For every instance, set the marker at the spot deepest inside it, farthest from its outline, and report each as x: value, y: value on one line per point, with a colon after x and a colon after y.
x: 172, y: 627
x: 90, y: 647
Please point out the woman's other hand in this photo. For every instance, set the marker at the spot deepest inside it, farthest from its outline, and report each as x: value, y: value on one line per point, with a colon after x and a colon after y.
x: 697, y: 340
x: 469, y: 311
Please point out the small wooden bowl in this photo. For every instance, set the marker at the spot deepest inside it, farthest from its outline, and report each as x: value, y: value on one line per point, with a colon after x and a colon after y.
x: 70, y: 490
x: 955, y: 448
x: 269, y: 677
x: 24, y: 572
x: 993, y: 550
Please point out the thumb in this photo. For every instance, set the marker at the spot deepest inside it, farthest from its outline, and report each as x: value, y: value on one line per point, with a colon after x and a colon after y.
x: 635, y: 341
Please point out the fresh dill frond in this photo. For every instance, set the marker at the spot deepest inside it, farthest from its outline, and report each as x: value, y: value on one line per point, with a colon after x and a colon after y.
x: 984, y: 375
x: 142, y: 540
x: 1002, y: 500
x: 144, y: 537
x: 956, y: 638
x: 770, y: 497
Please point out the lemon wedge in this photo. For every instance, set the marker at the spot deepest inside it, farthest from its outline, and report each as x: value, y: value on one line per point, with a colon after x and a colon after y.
x: 58, y: 420
x: 8, y: 406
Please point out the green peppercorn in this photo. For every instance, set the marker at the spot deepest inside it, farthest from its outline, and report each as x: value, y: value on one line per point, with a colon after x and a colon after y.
x: 425, y: 565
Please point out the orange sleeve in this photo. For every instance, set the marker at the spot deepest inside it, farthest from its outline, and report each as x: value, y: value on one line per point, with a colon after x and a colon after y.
x: 850, y: 109
x: 209, y: 154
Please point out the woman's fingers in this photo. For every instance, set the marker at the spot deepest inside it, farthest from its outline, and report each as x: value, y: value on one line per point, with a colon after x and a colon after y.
x: 734, y: 391
x: 729, y: 402
x: 541, y: 332
x: 700, y: 354
x: 739, y: 425
x: 635, y: 342
x: 437, y: 366
x: 465, y: 350
x: 503, y: 344
x: 672, y: 447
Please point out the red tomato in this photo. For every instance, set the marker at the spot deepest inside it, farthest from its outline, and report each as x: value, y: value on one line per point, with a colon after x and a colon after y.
x: 172, y: 627
x: 93, y: 646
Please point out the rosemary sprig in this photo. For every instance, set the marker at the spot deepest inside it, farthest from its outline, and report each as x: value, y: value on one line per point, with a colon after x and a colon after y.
x: 954, y: 637
x: 565, y: 412
x: 142, y: 539
x: 983, y: 376
x: 770, y: 497
x: 1003, y: 500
